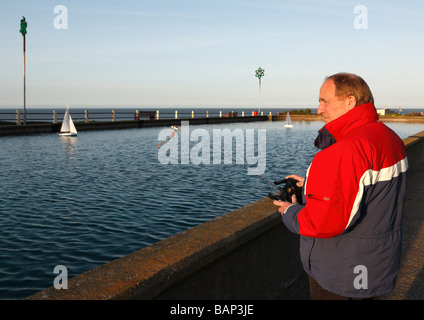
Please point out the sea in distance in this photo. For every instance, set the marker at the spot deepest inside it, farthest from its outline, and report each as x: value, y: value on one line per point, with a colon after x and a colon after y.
x: 82, y: 202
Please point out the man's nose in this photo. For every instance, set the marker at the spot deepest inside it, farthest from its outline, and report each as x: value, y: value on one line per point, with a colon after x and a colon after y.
x: 320, y: 108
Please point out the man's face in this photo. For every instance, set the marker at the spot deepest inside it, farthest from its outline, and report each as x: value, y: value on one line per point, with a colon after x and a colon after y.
x: 330, y: 106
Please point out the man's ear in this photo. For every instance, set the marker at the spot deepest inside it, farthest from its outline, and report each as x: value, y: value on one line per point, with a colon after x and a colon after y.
x: 351, y: 102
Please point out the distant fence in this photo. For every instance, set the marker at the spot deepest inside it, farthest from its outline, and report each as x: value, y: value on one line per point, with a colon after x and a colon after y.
x: 115, y: 115
x: 85, y: 116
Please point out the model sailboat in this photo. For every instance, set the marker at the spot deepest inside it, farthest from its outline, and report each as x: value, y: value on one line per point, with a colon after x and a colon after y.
x: 288, y: 123
x: 68, y: 127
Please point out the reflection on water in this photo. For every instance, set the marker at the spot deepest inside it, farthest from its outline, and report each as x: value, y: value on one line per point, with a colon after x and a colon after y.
x: 69, y: 145
x: 84, y: 201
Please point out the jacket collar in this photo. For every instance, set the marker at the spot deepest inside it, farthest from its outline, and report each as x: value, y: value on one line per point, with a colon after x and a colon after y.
x: 336, y: 129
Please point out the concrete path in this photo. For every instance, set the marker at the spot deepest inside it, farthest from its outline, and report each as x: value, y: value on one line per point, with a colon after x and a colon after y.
x: 410, y: 283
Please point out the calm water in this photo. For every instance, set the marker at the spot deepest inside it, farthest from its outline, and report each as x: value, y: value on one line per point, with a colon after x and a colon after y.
x: 82, y: 202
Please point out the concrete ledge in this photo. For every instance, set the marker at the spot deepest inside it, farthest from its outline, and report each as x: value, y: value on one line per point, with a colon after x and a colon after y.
x: 415, y: 148
x: 6, y: 130
x: 316, y: 117
x: 244, y: 254
x: 407, y: 119
x: 218, y: 259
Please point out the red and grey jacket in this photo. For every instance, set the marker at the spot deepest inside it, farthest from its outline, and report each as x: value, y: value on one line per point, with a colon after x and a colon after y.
x: 354, y: 195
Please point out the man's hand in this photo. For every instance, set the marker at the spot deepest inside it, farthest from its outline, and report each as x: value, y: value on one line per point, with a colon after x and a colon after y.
x: 283, y: 205
x: 298, y: 178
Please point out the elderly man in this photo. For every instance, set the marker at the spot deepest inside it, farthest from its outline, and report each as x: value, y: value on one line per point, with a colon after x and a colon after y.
x: 353, y: 195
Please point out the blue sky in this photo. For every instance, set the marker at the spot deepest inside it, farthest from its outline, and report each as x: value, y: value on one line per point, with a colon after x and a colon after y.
x: 197, y: 53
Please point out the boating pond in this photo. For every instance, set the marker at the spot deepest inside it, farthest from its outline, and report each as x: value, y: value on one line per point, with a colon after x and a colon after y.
x: 83, y: 201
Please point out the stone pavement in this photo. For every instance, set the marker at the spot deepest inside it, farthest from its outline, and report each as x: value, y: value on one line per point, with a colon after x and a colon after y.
x: 410, y: 282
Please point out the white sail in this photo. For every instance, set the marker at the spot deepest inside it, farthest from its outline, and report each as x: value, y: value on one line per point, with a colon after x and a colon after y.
x: 68, y: 127
x: 72, y: 128
x: 65, y: 123
x: 288, y: 123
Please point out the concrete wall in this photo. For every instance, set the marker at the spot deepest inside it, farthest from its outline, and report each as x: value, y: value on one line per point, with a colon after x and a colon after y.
x: 6, y: 130
x: 415, y: 148
x: 40, y: 128
x: 244, y: 254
